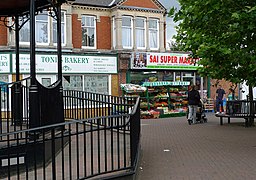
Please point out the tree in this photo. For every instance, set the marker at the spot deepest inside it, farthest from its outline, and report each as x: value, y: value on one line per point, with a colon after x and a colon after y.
x: 223, y: 34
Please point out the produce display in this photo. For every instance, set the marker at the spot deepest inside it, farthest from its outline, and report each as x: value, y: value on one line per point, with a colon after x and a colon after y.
x: 160, y: 101
x: 130, y: 88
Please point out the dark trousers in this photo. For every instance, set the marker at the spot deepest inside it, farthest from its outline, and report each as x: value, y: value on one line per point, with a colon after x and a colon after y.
x: 219, y: 103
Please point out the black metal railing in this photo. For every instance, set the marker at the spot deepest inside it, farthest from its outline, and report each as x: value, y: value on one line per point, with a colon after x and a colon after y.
x: 240, y: 107
x: 100, y: 138
x: 14, y: 106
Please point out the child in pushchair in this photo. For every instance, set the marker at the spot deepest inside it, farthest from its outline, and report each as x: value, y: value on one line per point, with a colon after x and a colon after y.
x: 200, y: 114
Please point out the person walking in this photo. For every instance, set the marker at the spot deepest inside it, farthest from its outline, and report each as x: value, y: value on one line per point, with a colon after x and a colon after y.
x: 230, y: 97
x: 193, y: 102
x: 220, y: 95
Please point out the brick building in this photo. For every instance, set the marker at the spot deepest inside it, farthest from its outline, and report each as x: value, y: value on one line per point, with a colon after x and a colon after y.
x: 104, y: 42
x: 97, y: 40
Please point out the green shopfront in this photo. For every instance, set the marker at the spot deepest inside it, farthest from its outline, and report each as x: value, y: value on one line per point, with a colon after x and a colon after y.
x: 152, y: 67
x: 166, y: 77
x: 164, y: 67
x: 91, y: 73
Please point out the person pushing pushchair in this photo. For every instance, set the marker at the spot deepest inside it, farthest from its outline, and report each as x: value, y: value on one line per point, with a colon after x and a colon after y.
x: 195, y: 107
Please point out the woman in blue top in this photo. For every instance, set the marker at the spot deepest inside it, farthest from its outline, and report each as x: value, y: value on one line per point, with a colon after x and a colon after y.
x: 230, y: 94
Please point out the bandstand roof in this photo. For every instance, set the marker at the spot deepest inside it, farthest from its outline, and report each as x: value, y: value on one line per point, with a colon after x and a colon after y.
x: 21, y: 7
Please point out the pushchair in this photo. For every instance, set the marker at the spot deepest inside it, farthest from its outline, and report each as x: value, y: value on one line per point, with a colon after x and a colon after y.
x: 200, y: 114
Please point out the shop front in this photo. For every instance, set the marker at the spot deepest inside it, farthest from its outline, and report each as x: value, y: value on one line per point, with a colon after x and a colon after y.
x: 91, y: 73
x: 163, y: 67
x: 166, y: 75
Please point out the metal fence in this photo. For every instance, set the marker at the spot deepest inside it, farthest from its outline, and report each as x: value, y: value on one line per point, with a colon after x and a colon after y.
x: 100, y: 138
x: 14, y: 106
x: 240, y: 107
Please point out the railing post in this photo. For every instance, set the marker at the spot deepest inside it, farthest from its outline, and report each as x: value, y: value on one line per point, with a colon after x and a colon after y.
x: 34, y: 117
x: 17, y: 103
x: 135, y: 132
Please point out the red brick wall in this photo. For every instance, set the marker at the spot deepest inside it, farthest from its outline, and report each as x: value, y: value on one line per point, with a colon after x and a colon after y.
x: 104, y: 33
x: 76, y: 32
x: 141, y: 3
x: 225, y: 85
x: 3, y: 34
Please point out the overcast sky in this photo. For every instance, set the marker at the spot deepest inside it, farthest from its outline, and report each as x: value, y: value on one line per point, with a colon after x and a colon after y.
x: 169, y: 23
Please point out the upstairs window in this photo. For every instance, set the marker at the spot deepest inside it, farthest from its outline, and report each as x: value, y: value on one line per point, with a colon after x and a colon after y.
x: 63, y: 29
x: 25, y: 33
x: 153, y: 34
x: 140, y: 33
x: 88, y: 31
x: 127, y: 32
x: 43, y: 29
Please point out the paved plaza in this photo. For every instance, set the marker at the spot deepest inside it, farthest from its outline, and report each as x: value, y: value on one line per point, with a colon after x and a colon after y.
x: 172, y: 149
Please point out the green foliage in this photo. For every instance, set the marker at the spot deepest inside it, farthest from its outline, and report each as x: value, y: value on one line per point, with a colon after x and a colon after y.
x: 222, y: 33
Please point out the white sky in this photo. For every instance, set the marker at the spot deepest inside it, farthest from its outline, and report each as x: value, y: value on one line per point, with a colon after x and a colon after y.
x: 169, y: 23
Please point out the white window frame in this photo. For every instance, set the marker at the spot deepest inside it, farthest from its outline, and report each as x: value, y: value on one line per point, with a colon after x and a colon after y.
x: 94, y: 27
x: 140, y: 28
x: 25, y: 42
x: 48, y: 28
x: 157, y: 34
x: 63, y: 30
x: 50, y: 31
x: 131, y: 32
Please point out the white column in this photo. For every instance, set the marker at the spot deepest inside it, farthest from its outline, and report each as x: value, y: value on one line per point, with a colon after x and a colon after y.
x: 161, y: 36
x: 118, y: 22
x: 147, y: 35
x: 134, y: 34
x: 69, y: 30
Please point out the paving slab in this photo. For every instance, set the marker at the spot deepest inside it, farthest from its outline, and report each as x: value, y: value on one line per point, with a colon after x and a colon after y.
x: 172, y: 149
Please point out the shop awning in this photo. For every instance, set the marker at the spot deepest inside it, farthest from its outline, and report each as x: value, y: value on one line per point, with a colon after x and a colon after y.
x: 166, y: 83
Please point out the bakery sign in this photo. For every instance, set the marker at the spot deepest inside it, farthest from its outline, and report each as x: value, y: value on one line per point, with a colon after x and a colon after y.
x: 175, y: 61
x: 70, y: 63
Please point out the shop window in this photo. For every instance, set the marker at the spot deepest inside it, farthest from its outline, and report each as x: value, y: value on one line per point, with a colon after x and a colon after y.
x: 153, y: 34
x: 177, y: 76
x: 46, y: 81
x: 89, y: 83
x: 127, y: 32
x: 151, y: 76
x: 168, y: 76
x: 141, y: 77
x: 140, y: 32
x: 73, y: 82
x: 188, y: 76
x: 43, y: 29
x: 88, y: 31
x: 96, y: 84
